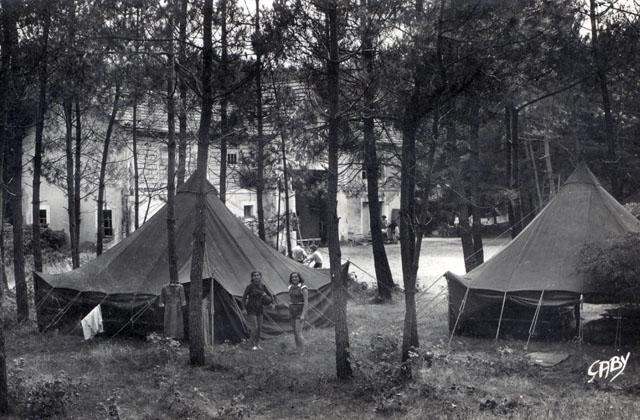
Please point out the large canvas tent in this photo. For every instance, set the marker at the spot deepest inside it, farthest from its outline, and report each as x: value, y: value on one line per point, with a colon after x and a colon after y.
x: 128, y: 278
x: 537, y: 274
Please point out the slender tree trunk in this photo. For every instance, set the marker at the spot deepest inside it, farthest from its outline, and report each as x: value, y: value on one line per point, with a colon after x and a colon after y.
x: 196, y: 333
x: 549, y: 169
x: 534, y: 168
x: 259, y: 121
x: 3, y: 269
x: 103, y: 170
x: 475, y: 175
x: 515, y: 172
x: 285, y: 175
x: 454, y: 161
x: 601, y: 75
x: 37, y: 154
x: 4, y: 85
x: 171, y: 165
x: 224, y: 76
x: 136, y: 173
x: 68, y: 120
x: 77, y: 195
x: 22, y: 298
x: 508, y: 164
x: 343, y: 366
x: 4, y: 389
x: 383, y: 272
x: 182, y: 87
x: 407, y: 224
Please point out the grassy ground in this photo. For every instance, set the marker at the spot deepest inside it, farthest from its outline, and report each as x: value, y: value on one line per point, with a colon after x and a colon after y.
x: 474, y: 378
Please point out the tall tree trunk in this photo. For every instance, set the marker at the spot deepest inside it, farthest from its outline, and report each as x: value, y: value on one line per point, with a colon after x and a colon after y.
x: 285, y: 176
x: 4, y: 85
x: 343, y: 366
x: 534, y: 168
x: 549, y: 169
x: 454, y: 160
x: 475, y: 174
x: 196, y: 333
x: 383, y: 272
x: 22, y: 298
x: 224, y: 76
x: 4, y: 389
x: 508, y: 149
x: 182, y: 87
x: 134, y: 139
x: 136, y: 173
x: 68, y: 120
x: 37, y: 154
x: 407, y: 223
x: 77, y: 195
x: 515, y: 172
x: 14, y: 141
x: 171, y: 165
x: 3, y: 269
x: 260, y: 182
x: 103, y: 170
x: 601, y: 75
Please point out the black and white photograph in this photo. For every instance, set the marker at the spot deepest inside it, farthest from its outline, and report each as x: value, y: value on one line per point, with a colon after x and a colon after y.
x: 319, y: 209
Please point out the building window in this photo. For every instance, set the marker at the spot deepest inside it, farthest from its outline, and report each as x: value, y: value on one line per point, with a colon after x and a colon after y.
x: 42, y: 217
x: 248, y: 210
x: 232, y: 158
x: 107, y: 223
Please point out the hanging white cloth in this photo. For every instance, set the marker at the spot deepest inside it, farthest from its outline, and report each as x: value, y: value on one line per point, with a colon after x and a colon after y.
x: 92, y: 323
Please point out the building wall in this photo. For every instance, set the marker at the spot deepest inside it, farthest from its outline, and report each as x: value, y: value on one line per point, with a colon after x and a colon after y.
x: 53, y: 197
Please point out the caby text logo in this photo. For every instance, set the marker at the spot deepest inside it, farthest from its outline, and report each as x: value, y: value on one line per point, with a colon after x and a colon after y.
x: 603, y: 368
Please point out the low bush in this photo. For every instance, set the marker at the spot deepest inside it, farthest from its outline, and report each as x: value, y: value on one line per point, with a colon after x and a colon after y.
x: 613, y: 267
x: 40, y: 398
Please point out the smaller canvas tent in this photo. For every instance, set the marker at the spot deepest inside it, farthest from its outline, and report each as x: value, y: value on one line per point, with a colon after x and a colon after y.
x: 127, y: 279
x: 538, y: 272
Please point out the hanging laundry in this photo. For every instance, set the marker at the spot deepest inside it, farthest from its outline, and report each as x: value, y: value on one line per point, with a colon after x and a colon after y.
x: 92, y: 323
x: 172, y: 298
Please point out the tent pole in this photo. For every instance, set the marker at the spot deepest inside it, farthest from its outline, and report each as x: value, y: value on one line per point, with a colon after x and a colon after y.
x: 578, y: 314
x: 534, y: 321
x: 278, y: 220
x: 212, y: 311
x: 462, y: 304
x: 504, y: 299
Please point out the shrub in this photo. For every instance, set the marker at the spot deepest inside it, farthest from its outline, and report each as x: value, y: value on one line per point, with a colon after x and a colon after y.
x: 166, y: 348
x: 50, y: 240
x: 37, y: 398
x: 613, y: 267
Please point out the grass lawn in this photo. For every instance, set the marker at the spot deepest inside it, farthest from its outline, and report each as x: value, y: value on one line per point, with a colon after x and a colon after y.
x: 133, y: 379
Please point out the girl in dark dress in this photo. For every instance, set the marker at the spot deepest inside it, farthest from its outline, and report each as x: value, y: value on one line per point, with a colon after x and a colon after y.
x: 255, y: 297
x: 299, y: 296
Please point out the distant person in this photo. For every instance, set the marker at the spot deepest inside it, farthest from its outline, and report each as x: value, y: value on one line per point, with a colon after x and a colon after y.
x: 255, y: 298
x: 298, y: 253
x: 293, y: 222
x: 299, y: 296
x: 315, y: 257
x: 392, y: 231
x: 384, y: 224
